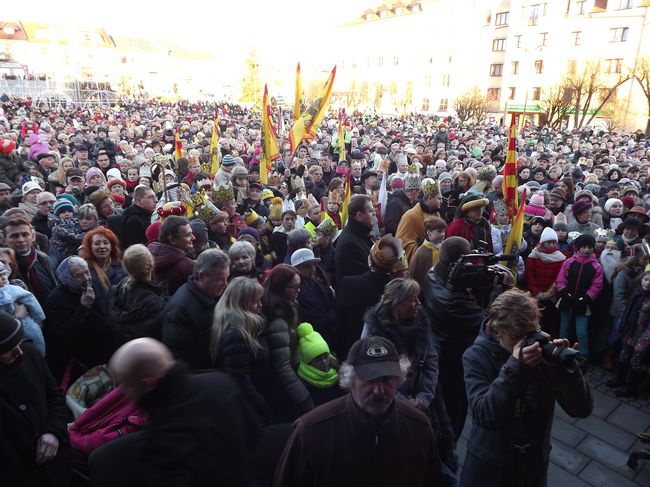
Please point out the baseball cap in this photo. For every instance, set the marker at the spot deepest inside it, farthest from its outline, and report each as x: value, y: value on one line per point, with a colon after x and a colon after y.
x: 303, y: 256
x: 373, y: 357
x: 4, y: 187
x: 30, y: 186
x: 74, y: 173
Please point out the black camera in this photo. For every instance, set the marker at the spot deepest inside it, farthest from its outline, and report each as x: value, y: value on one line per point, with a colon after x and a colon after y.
x: 478, y: 271
x: 555, y: 354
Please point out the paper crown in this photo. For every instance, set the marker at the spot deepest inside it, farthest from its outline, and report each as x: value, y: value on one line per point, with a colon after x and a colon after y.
x: 430, y: 187
x: 327, y: 227
x: 334, y: 197
x: 412, y: 179
x: 250, y: 217
x: 223, y: 194
x: 175, y: 208
x: 288, y: 206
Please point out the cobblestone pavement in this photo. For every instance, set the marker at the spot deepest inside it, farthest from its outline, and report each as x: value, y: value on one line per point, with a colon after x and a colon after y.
x: 594, y: 451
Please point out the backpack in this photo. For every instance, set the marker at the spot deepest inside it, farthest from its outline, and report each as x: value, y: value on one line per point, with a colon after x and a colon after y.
x: 111, y: 417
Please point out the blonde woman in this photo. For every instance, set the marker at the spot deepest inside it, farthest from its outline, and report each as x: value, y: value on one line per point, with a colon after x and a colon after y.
x: 238, y: 344
x: 57, y: 180
x: 138, y: 305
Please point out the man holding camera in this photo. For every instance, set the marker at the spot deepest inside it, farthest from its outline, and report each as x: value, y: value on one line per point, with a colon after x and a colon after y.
x: 514, y: 373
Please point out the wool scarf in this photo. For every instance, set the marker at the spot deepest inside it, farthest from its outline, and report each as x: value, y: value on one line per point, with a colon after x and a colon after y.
x: 316, y: 377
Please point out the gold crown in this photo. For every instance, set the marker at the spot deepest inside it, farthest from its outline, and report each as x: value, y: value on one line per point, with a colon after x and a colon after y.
x: 223, y: 194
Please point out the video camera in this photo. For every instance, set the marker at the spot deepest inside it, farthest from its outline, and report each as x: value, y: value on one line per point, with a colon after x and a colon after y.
x: 479, y: 271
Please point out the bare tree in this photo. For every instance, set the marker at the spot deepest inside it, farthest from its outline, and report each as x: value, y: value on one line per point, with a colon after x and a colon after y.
x: 474, y: 105
x: 556, y: 103
x: 642, y: 76
x: 591, y: 90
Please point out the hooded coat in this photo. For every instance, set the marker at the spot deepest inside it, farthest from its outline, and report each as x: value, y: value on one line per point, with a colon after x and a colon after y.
x: 172, y: 266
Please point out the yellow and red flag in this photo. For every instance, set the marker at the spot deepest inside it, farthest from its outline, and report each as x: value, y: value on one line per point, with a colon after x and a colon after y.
x: 510, y: 182
x: 342, y: 152
x: 346, y: 201
x: 305, y: 127
x: 214, y: 145
x: 513, y: 245
x: 269, y: 150
x: 178, y: 147
x: 297, y: 102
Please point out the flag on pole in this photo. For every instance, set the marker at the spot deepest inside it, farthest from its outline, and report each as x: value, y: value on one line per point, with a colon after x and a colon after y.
x: 510, y: 182
x: 513, y: 245
x: 342, y: 153
x: 346, y: 201
x: 297, y: 102
x: 269, y: 150
x: 214, y: 145
x: 305, y: 127
x: 382, y: 198
x: 178, y: 150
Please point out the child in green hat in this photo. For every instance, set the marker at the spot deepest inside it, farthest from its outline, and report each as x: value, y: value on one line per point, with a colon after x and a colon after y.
x: 316, y: 368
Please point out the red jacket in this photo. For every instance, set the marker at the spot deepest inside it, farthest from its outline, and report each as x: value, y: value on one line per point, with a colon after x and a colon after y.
x: 460, y: 227
x: 540, y: 275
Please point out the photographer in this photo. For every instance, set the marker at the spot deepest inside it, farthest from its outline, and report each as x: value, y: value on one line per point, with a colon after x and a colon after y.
x: 456, y: 313
x: 514, y: 373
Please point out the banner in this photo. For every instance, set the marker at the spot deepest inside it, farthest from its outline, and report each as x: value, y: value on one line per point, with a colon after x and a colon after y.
x: 214, y: 146
x: 269, y: 150
x: 297, y: 102
x: 341, y: 142
x: 510, y: 182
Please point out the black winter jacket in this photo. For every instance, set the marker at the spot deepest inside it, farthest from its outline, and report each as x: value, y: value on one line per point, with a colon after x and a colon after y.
x: 497, y: 385
x: 139, y: 312
x: 9, y: 169
x: 31, y: 404
x: 398, y: 204
x: 135, y: 221
x: 188, y: 321
x: 352, y: 250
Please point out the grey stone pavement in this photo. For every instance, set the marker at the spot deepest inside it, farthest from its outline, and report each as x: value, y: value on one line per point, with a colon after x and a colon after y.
x: 594, y: 451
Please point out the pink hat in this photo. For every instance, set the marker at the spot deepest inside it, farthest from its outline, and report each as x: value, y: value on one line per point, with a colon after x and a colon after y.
x: 537, y: 199
x: 6, y: 146
x: 397, y: 183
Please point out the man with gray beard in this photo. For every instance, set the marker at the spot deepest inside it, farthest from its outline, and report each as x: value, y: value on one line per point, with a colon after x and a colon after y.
x: 609, y: 259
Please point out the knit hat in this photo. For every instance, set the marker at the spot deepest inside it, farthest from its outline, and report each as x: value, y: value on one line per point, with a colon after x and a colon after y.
x: 580, y: 207
x: 153, y: 232
x: 93, y: 171
x: 67, y: 196
x: 611, y: 202
x: 227, y: 160
x: 548, y: 235
x: 412, y: 179
x: 628, y: 201
x: 537, y: 199
x: 472, y: 200
x: 6, y: 146
x: 584, y: 240
x: 251, y: 232
x: 11, y: 332
x: 378, y: 256
x: 561, y: 226
x: 558, y: 193
x: 267, y: 193
x: 113, y: 181
x: 62, y: 205
x: 311, y: 343
x: 113, y: 173
x: 275, y: 213
x: 396, y: 183
x: 444, y: 176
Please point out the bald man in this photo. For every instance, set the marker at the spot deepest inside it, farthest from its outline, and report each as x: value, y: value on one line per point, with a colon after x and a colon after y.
x: 199, y: 425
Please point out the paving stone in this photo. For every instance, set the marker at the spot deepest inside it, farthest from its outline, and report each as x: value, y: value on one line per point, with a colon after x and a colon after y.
x: 643, y: 477
x: 599, y: 475
x: 557, y: 476
x: 567, y: 458
x: 630, y: 418
x: 605, y: 431
x: 559, y: 413
x: 604, y: 404
x: 606, y: 454
x: 567, y: 433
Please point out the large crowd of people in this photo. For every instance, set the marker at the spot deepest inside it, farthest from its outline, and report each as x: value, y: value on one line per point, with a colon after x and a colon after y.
x: 227, y: 308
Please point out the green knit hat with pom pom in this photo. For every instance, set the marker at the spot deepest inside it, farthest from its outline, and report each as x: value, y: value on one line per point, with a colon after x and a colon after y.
x: 311, y: 343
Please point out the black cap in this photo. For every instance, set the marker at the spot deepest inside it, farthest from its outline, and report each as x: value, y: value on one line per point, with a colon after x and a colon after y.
x: 43, y: 155
x: 374, y: 357
x: 11, y: 332
x: 73, y: 172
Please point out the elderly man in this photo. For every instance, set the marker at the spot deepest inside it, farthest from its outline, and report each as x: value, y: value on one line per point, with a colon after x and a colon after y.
x: 31, y: 190
x: 198, y: 426
x: 44, y: 218
x: 33, y: 411
x: 366, y: 437
x: 189, y: 312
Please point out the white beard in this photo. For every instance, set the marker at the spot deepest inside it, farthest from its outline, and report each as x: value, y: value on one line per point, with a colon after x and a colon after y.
x: 609, y: 259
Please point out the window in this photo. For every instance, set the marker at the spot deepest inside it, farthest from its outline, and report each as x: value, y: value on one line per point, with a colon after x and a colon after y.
x: 544, y: 39
x: 427, y: 81
x: 444, y: 104
x: 600, y: 4
x: 395, y: 60
x: 354, y: 64
x: 624, y: 4
x: 534, y: 14
x: 499, y: 45
x: 537, y: 93
x: 502, y: 18
x: 618, y: 34
x: 519, y: 39
x: 496, y: 70
x: 539, y: 66
x: 613, y: 66
x: 577, y: 37
x: 571, y: 66
x: 581, y: 8
x: 514, y: 67
x: 494, y: 93
x: 425, y: 104
x: 381, y: 61
x: 512, y: 91
x: 445, y: 80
